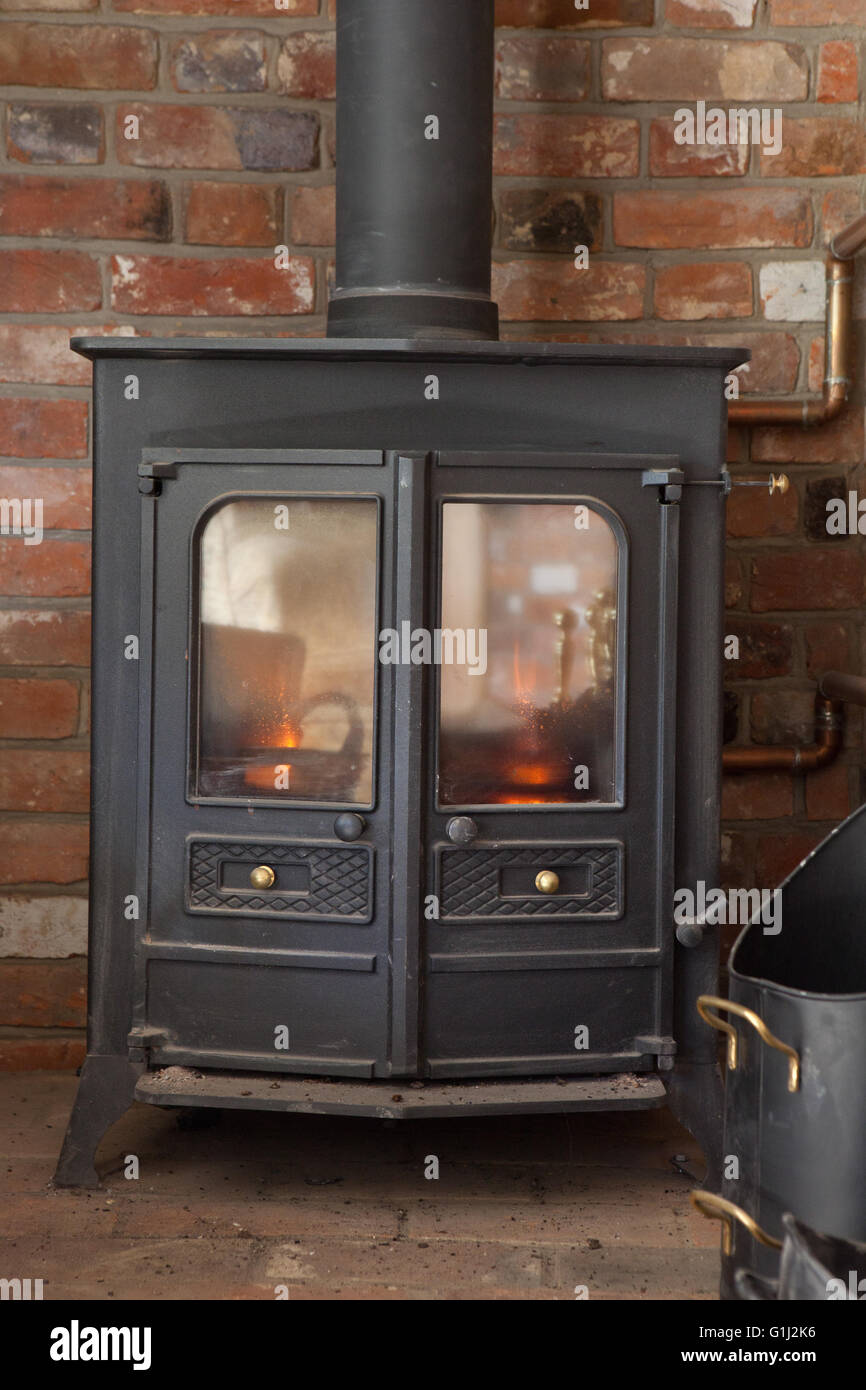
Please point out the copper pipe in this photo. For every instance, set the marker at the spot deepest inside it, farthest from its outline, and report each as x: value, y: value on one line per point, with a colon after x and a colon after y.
x: 825, y: 749
x: 836, y: 685
x: 848, y: 242
x: 769, y: 410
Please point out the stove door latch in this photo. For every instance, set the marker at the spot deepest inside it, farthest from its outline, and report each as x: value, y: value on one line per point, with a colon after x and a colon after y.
x: 669, y: 482
x: 151, y: 474
x: 775, y: 483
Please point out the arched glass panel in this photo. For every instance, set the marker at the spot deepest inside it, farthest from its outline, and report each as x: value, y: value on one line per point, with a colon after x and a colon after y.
x: 529, y: 643
x: 287, y: 650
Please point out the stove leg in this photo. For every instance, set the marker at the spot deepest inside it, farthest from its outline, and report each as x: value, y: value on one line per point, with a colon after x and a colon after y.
x: 696, y: 1098
x: 105, y: 1092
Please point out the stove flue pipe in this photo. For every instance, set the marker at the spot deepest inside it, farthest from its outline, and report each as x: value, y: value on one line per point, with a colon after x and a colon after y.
x: 414, y: 170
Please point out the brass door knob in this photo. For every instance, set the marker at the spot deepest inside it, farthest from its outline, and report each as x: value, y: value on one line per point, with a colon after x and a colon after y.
x: 547, y: 881
x: 263, y: 877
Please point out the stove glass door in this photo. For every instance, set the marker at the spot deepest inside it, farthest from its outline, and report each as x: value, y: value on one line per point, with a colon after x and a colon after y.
x: 528, y: 655
x: 551, y: 689
x: 265, y: 827
x: 287, y: 650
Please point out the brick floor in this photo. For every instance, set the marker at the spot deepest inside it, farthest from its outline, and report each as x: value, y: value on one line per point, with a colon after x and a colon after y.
x: 340, y: 1208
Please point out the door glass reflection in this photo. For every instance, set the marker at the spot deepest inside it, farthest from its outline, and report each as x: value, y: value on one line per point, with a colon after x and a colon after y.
x: 536, y: 726
x: 287, y: 650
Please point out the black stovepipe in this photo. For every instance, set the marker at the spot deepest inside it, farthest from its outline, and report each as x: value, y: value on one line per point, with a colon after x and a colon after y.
x: 414, y: 170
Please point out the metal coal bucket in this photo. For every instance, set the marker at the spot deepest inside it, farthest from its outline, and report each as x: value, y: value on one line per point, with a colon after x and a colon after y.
x: 795, y: 1101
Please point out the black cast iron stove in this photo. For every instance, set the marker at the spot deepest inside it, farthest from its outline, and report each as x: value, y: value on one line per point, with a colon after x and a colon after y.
x: 406, y: 690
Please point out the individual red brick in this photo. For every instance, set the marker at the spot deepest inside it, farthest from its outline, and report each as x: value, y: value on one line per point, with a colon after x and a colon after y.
x: 789, y: 581
x: 670, y: 160
x: 21, y: 1051
x: 793, y: 291
x: 757, y: 796
x: 738, y: 217
x: 40, y: 429
x: 816, y: 364
x: 55, y: 568
x: 736, y: 444
x: 34, y: 637
x: 33, y: 852
x: 822, y: 491
x: 239, y: 285
x: 545, y: 219
x: 542, y: 67
x: 828, y: 648
x: 89, y: 56
x: 38, y: 709
x: 219, y: 137
x: 220, y: 60
x: 232, y: 214
x: 123, y: 209
x: 50, y: 282
x: 12, y: 6
x: 840, y: 207
x: 827, y: 793
x: 241, y: 8
x: 314, y: 216
x: 838, y: 74
x: 40, y: 779
x: 766, y: 649
x: 662, y: 69
x: 704, y: 290
x: 55, y: 133
x: 753, y: 512
x: 552, y: 290
x: 43, y: 993
x: 840, y: 441
x: 733, y: 582
x: 779, y: 855
x: 39, y: 353
x: 562, y: 14
x: 783, y: 717
x: 818, y: 147
x: 815, y: 13
x: 733, y: 860
x: 307, y: 66
x: 64, y: 493
x: 731, y: 713
x: 711, y: 14
x: 572, y: 146
x: 774, y: 364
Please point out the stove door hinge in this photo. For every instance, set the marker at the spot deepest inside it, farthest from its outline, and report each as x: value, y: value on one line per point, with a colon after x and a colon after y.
x: 141, y: 1040
x: 669, y: 482
x: 151, y: 475
x: 663, y: 1049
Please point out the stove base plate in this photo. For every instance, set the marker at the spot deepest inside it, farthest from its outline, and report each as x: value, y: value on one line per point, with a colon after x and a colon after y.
x: 398, y: 1099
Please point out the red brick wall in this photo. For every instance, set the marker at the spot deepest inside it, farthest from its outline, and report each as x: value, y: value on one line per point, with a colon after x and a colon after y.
x: 235, y: 155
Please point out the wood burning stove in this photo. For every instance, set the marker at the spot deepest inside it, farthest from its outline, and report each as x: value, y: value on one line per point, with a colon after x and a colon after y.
x: 407, y: 696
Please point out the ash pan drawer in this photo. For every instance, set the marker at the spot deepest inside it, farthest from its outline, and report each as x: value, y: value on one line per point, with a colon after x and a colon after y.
x: 530, y: 882
x: 289, y: 879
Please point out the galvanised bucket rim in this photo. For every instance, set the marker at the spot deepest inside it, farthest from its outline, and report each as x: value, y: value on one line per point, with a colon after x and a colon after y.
x: 792, y: 992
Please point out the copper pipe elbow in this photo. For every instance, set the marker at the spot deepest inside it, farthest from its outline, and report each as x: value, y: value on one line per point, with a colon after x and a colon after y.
x: 780, y: 758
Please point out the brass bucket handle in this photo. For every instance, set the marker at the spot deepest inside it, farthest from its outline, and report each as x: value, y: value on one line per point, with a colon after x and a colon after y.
x: 720, y: 1209
x: 714, y: 1000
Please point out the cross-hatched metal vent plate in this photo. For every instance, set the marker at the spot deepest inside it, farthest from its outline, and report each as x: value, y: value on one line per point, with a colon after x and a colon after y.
x: 470, y: 882
x: 340, y: 879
